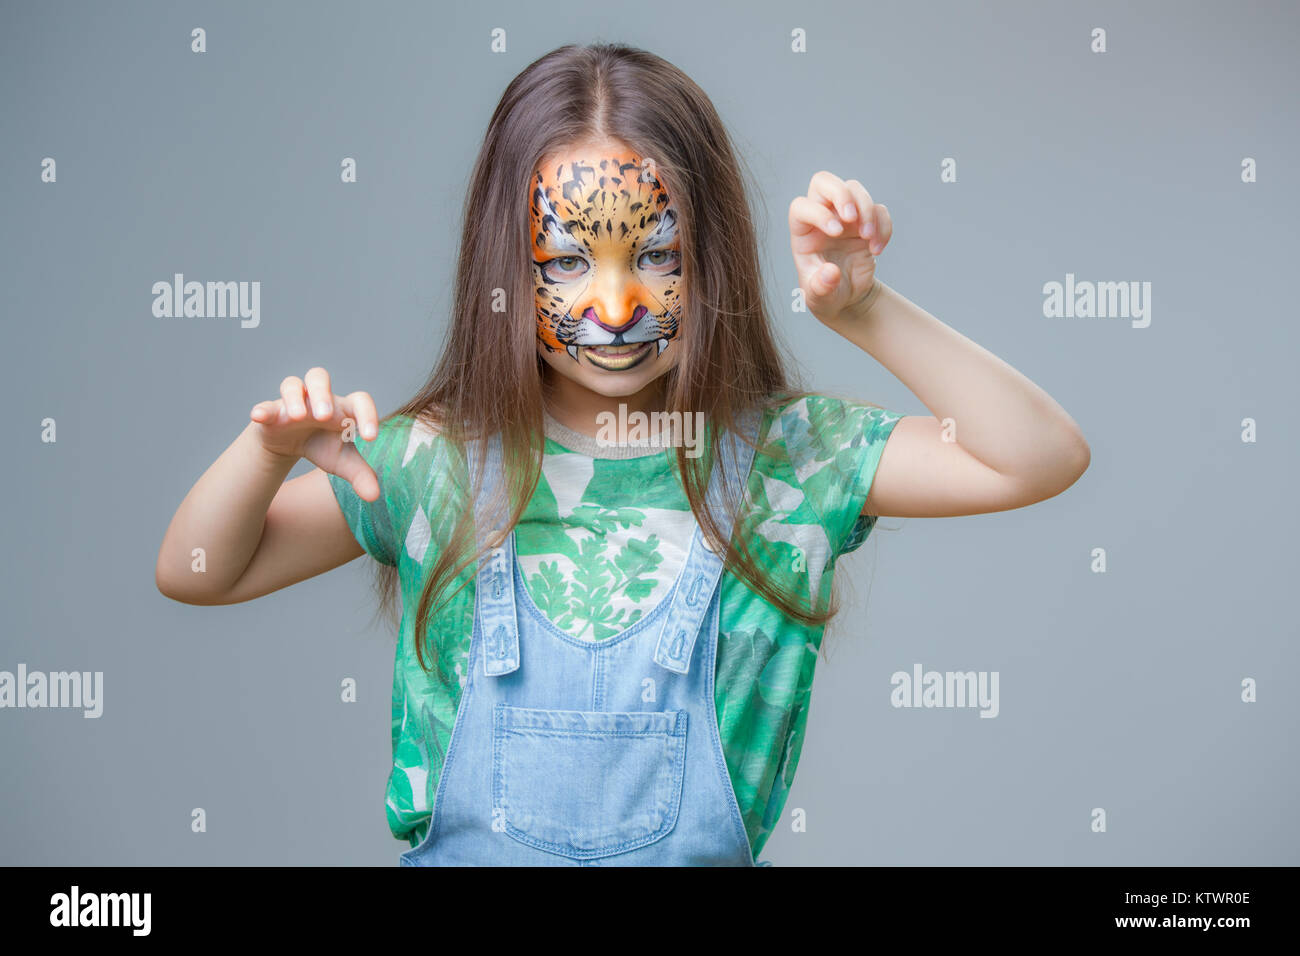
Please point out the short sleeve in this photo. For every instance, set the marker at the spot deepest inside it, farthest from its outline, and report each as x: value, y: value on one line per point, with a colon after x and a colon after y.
x: 835, y: 446
x: 375, y: 524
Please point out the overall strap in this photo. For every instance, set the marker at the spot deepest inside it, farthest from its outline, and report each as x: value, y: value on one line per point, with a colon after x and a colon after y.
x: 495, y: 585
x: 694, y: 589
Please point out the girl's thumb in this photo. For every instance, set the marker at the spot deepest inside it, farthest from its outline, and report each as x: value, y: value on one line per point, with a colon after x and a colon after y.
x: 828, y: 277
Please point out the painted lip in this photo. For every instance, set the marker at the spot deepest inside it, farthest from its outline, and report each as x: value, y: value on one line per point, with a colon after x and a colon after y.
x: 618, y: 361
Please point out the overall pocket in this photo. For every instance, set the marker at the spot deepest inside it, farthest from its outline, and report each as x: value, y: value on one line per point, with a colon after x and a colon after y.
x: 586, y: 784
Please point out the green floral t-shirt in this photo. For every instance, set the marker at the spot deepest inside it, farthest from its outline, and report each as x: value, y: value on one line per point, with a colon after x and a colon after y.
x: 599, y: 544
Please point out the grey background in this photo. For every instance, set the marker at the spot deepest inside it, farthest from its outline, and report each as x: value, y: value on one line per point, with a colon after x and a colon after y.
x: 1118, y: 690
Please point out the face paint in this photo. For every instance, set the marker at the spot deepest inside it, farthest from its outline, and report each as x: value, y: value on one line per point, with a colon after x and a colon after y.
x: 606, y: 261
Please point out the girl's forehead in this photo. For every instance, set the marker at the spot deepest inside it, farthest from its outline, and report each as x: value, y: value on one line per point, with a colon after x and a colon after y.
x: 614, y: 193
x: 612, y: 196
x: 590, y: 159
x: 576, y: 173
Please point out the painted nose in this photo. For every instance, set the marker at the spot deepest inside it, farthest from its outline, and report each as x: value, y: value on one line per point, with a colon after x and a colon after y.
x: 618, y: 330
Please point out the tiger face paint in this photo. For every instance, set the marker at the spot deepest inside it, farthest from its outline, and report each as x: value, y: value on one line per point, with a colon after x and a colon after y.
x: 606, y: 261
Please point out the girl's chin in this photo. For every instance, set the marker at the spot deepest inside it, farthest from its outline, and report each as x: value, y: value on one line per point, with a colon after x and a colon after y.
x: 608, y: 384
x: 617, y: 384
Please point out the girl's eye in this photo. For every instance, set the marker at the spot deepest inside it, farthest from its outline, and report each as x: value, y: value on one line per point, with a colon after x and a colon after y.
x: 668, y: 255
x: 566, y: 265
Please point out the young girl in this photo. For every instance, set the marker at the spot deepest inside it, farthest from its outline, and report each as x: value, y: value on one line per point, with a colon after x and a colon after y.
x: 608, y: 639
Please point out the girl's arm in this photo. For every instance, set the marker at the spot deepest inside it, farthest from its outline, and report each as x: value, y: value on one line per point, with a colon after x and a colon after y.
x: 258, y: 533
x: 997, y: 441
x: 1007, y: 443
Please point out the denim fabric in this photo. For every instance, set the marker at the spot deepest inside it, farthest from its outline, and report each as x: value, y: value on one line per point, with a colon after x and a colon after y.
x: 567, y: 752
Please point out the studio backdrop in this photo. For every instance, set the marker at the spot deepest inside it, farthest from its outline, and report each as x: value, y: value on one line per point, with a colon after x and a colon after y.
x: 1104, y: 194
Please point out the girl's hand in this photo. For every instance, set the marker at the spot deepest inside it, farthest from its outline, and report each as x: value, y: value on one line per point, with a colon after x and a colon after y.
x: 288, y: 431
x: 835, y: 233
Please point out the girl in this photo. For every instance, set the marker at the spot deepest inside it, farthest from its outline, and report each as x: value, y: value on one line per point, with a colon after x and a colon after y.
x: 608, y: 639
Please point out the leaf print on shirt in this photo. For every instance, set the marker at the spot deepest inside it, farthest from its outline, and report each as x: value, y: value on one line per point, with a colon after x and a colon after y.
x: 597, y: 580
x: 763, y: 718
x: 635, y: 559
x: 795, y: 429
x: 548, y: 590
x: 585, y: 602
x: 603, y: 521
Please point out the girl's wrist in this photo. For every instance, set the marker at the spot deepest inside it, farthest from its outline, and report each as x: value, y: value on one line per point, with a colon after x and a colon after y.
x: 271, y: 461
x: 862, y: 308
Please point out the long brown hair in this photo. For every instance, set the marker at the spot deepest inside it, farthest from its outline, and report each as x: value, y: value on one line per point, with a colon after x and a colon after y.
x: 490, y: 377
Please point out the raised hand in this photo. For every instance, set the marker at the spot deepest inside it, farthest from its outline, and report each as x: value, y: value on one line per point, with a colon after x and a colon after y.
x: 323, y: 437
x: 836, y: 231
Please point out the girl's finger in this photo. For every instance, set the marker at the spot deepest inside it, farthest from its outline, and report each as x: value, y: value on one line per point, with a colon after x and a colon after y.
x: 353, y: 469
x: 884, y: 228
x: 833, y: 192
x: 362, y: 409
x: 868, y: 223
x: 291, y: 390
x: 263, y: 411
x: 319, y: 394
x: 806, y: 215
x: 828, y: 277
x: 273, y: 412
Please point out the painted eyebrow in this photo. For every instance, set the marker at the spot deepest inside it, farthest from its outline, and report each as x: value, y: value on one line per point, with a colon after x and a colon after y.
x: 555, y: 235
x: 664, y: 233
x: 659, y: 238
x: 659, y: 242
x: 560, y: 243
x: 561, y: 250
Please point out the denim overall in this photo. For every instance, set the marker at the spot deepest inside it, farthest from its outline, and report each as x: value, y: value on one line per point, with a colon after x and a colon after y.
x: 569, y: 752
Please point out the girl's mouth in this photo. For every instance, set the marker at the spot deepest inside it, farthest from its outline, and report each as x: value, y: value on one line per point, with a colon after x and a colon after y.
x: 619, y: 358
